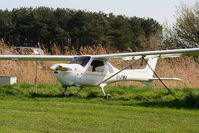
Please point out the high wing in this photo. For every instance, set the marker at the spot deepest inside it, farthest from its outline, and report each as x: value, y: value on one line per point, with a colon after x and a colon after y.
x: 37, y: 57
x: 123, y: 56
x: 150, y: 54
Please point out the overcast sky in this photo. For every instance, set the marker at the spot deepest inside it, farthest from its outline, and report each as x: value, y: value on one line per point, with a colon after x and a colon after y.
x: 160, y: 10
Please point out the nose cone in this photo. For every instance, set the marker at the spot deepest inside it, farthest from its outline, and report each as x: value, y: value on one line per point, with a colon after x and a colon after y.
x: 64, y: 73
x: 53, y: 68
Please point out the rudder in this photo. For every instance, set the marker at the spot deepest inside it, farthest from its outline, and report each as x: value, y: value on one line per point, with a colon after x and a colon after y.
x: 151, y: 64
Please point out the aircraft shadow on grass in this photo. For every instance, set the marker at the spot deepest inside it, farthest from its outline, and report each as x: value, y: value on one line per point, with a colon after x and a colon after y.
x: 169, y: 104
x: 39, y: 95
x: 189, y: 102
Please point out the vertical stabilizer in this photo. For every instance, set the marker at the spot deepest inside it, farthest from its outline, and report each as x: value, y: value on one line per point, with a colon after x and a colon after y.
x: 152, y: 62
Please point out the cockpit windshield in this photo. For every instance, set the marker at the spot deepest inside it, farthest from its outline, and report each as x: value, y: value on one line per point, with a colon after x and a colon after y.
x: 82, y: 60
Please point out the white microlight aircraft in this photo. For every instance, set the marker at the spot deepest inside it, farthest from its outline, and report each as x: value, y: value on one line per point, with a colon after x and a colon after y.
x: 95, y: 70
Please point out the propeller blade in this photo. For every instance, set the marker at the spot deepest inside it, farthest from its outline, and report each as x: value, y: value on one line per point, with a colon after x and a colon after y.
x: 61, y: 68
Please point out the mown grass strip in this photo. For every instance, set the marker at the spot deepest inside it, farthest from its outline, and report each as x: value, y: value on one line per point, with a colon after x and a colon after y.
x: 132, y: 109
x: 42, y: 116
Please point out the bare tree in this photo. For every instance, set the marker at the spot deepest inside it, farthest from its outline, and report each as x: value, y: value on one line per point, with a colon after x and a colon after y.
x: 185, y: 32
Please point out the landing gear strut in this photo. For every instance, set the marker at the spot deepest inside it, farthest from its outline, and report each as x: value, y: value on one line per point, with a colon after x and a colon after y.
x: 78, y: 91
x: 64, y: 91
x: 106, y: 96
x: 70, y: 95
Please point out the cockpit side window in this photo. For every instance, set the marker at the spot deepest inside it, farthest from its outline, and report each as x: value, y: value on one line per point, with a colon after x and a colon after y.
x: 97, y: 66
x: 110, y: 67
x: 83, y: 60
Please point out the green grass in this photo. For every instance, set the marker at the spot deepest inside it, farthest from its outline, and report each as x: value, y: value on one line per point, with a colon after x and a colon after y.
x: 24, y: 108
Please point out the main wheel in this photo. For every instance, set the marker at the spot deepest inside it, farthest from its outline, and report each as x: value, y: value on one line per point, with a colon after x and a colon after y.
x: 107, y: 96
x: 71, y: 95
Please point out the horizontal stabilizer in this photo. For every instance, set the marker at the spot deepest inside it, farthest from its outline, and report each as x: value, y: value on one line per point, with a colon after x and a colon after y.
x: 150, y: 81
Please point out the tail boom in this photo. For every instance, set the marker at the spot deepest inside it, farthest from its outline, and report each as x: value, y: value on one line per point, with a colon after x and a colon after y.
x: 145, y: 75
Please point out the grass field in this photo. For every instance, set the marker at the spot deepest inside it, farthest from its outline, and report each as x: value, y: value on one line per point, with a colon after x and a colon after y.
x: 23, y: 108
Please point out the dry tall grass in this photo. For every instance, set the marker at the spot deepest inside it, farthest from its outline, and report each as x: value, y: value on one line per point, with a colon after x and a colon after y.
x: 25, y: 71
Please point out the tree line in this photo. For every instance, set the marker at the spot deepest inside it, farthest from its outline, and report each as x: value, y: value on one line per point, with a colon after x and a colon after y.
x: 75, y: 28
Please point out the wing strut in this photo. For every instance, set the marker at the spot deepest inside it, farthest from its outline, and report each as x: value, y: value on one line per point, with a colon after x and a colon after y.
x: 160, y: 79
x: 119, y: 71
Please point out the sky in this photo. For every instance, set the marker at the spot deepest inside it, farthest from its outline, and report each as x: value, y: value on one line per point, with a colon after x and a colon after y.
x: 162, y: 11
